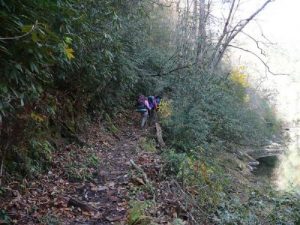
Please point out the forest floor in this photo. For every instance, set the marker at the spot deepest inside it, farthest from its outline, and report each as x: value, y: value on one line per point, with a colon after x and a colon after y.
x: 114, y: 179
x: 117, y: 177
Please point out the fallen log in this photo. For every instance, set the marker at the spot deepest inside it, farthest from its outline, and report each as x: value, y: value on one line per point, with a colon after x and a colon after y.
x: 159, y: 135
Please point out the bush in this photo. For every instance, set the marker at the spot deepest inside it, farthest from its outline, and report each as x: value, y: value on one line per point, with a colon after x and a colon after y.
x: 216, y: 109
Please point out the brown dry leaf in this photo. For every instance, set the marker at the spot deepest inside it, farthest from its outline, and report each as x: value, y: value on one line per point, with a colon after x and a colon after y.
x: 111, y: 184
x: 123, y: 204
x: 138, y: 180
x: 94, y: 188
x: 97, y: 215
x: 174, y: 214
x: 66, y: 209
x: 86, y: 213
x: 106, y: 144
x: 102, y: 188
x: 120, y: 209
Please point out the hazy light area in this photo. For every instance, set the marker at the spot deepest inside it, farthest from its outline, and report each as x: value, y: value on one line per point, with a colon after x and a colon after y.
x: 279, y: 23
x: 287, y: 173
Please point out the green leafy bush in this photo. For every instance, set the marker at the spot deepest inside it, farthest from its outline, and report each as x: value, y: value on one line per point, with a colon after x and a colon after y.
x: 214, y: 109
x: 63, y: 59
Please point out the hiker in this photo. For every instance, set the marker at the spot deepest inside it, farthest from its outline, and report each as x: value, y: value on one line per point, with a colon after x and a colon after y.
x: 157, y: 100
x: 147, y: 107
x: 154, y: 102
x: 143, y: 107
x: 154, y: 106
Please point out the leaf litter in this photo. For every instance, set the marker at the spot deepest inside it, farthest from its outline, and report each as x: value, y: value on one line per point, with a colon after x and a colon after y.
x: 104, y: 193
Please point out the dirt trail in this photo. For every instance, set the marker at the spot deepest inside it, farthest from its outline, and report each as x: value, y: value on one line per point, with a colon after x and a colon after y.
x: 116, y: 178
x: 58, y: 197
x: 109, y: 194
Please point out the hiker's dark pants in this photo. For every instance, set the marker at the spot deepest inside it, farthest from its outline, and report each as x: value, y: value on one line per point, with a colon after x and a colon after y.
x: 144, y: 118
x: 153, y: 116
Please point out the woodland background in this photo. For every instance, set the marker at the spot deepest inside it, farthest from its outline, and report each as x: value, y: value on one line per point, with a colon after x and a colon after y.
x: 66, y: 63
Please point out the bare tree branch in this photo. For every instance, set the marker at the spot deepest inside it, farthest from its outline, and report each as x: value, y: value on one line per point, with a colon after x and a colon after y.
x: 221, y: 38
x: 256, y: 42
x: 243, y: 23
x: 260, y: 59
x: 222, y: 46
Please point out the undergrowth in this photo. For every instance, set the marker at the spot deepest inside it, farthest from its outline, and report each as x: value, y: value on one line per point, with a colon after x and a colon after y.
x: 79, y: 168
x: 225, y: 202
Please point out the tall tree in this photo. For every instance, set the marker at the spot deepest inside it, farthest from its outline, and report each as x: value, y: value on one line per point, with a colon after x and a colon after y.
x: 204, y: 42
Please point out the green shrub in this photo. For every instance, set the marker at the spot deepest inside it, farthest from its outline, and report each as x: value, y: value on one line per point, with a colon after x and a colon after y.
x: 148, y: 145
x: 4, y: 217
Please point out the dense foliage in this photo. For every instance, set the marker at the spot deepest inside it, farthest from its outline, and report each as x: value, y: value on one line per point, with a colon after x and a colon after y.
x: 214, y: 109
x: 64, y: 60
x: 61, y: 59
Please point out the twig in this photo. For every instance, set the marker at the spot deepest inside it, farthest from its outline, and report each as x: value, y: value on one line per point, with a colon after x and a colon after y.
x: 147, y: 181
x: 1, y: 170
x: 256, y: 42
x: 179, y: 202
x: 188, y: 196
x: 139, y: 169
x: 23, y: 35
x: 2, y: 161
x: 260, y: 59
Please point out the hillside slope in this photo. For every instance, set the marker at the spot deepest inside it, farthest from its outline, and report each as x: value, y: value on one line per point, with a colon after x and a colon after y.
x: 121, y: 176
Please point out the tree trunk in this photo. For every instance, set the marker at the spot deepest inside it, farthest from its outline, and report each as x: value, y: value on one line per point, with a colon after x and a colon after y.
x: 201, y: 32
x: 159, y: 135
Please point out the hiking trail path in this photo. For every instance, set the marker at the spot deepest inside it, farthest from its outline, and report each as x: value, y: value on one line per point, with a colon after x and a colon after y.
x: 120, y: 178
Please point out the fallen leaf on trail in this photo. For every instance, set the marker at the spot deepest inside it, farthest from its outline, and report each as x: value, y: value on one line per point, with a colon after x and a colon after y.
x: 86, y: 213
x: 102, y: 188
x: 111, y: 184
x: 119, y: 209
x: 106, y: 144
x: 138, y: 180
x: 105, y: 196
x: 113, y: 218
x: 66, y: 209
x: 99, y: 188
x: 97, y: 215
x: 122, y: 203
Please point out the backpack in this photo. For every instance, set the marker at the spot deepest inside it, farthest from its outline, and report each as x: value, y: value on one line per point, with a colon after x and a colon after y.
x: 157, y: 100
x: 141, y: 107
x: 152, y: 102
x: 141, y: 100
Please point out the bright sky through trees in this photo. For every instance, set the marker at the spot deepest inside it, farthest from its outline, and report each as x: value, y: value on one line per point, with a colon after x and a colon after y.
x: 280, y: 23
